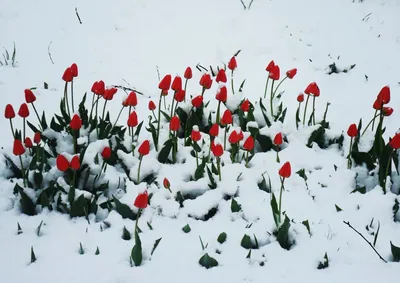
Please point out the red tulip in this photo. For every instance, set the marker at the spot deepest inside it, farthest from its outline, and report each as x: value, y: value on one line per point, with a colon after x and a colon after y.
x: 37, y: 138
x: 352, y: 131
x: 180, y: 95
x: 28, y: 143
x: 270, y: 66
x: 226, y: 117
x: 131, y: 100
x: 23, y: 110
x: 106, y: 153
x: 214, y: 130
x: 74, y: 70
x: 291, y: 73
x: 285, y: 170
x: 132, y: 119
x: 188, y: 73
x: 164, y: 92
x: 109, y: 93
x: 196, y: 135
x: 300, y: 98
x: 165, y: 83
x: 67, y: 76
x: 245, y: 106
x: 222, y: 94
x: 29, y: 96
x: 278, y: 140
x: 249, y: 144
x: 275, y: 73
x: 387, y: 111
x: 141, y: 200
x: 395, y: 141
x: 174, y: 124
x: 234, y: 137
x: 197, y: 101
x: 18, y: 148
x: 166, y: 183
x: 384, y: 95
x: 240, y: 134
x: 75, y: 163
x: 206, y: 81
x: 377, y: 104
x: 9, y: 112
x: 176, y: 83
x: 144, y: 148
x: 62, y: 163
x: 98, y: 88
x: 221, y: 76
x: 216, y: 149
x: 232, y: 64
x: 152, y: 105
x: 76, y: 123
x: 94, y: 87
x: 313, y: 89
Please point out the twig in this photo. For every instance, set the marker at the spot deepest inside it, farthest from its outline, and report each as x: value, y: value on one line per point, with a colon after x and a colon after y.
x: 367, y: 16
x: 369, y: 243
x: 77, y: 14
x: 129, y: 89
x: 158, y: 73
x: 48, y: 51
x: 244, y: 6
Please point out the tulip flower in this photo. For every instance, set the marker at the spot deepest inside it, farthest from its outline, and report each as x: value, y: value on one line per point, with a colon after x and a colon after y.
x: 284, y: 173
x: 351, y: 132
x: 143, y: 150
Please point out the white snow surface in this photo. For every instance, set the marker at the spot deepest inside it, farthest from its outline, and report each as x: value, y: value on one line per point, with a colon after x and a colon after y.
x: 123, y: 43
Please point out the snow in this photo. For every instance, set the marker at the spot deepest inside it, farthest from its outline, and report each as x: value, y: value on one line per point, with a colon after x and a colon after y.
x: 126, y: 43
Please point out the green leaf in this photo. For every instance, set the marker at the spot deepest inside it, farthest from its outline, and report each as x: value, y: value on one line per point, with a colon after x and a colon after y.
x: 395, y: 252
x: 263, y: 110
x: 19, y: 229
x: 167, y: 117
x: 55, y: 127
x: 222, y: 238
x: 246, y: 242
x: 165, y: 151
x: 213, y: 184
x: 305, y: 223
x: 149, y: 225
x: 325, y: 263
x: 235, y: 206
x: 249, y: 255
x: 156, y: 243
x: 202, y: 244
x: 275, y: 211
x: 338, y: 209
x: 17, y: 173
x: 27, y: 205
x: 282, y: 118
x: 124, y: 210
x: 71, y: 195
x: 318, y: 136
x: 302, y: 174
x: 283, y: 234
x: 81, y: 250
x: 33, y: 128
x: 138, y: 128
x: 78, y: 207
x: 136, y: 253
x: 361, y: 190
x: 377, y: 233
x: 256, y: 246
x: 38, y: 229
x: 38, y: 178
x: 186, y: 228
x: 43, y: 122
x: 199, y: 173
x: 33, y: 256
x: 361, y: 158
x: 126, y: 235
x: 207, y: 261
x: 97, y: 251
x: 265, y: 142
x: 263, y: 185
x: 395, y: 209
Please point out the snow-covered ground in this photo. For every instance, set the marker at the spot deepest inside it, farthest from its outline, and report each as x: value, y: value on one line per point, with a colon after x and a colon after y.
x: 125, y: 43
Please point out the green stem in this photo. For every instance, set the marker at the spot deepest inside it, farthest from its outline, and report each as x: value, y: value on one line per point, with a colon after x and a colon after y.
x: 218, y: 112
x: 372, y: 121
x: 349, y: 157
x: 271, y: 98
x: 158, y: 120
x: 154, y: 115
x: 277, y: 156
x: 175, y: 147
x: 72, y: 185
x: 104, y: 109
x: 266, y: 88
x: 278, y: 86
x: 66, y: 99
x: 12, y: 128
x: 137, y: 220
x: 313, y: 109
x: 37, y: 115
x: 197, y: 156
x: 165, y: 103
x: 185, y: 87
x: 226, y: 131
x: 129, y: 114
x: 247, y: 158
x: 91, y: 109
x: 24, y: 127
x: 172, y: 105
x: 72, y: 96
x: 138, y: 173
x: 186, y: 126
x: 219, y: 168
x: 22, y: 171
x: 305, y: 110
x: 119, y: 114
x: 386, y: 173
x: 209, y: 149
x: 280, y: 200
x: 203, y: 91
x: 75, y: 135
x: 97, y: 108
x: 233, y: 88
